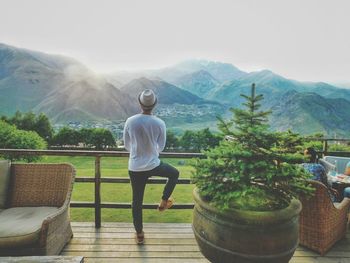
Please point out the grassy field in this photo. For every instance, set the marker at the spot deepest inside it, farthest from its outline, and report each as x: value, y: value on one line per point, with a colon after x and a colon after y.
x: 117, y: 167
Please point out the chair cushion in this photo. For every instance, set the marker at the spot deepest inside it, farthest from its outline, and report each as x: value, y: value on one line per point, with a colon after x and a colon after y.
x: 20, y: 226
x: 4, y: 181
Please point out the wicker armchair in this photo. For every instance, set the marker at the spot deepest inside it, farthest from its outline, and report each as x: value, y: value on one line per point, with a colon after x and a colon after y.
x: 46, y: 188
x: 322, y: 223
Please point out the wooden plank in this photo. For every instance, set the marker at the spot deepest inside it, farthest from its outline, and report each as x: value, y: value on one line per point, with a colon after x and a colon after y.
x: 42, y: 259
x: 130, y: 230
x: 126, y: 180
x: 132, y: 248
x: 84, y: 179
x: 97, y: 191
x: 131, y: 241
x: 336, y: 247
x: 143, y: 260
x: 114, y: 242
x: 137, y: 254
x: 131, y: 235
x: 93, y: 153
x: 330, y: 254
x: 305, y: 253
x: 82, y: 204
x: 318, y: 260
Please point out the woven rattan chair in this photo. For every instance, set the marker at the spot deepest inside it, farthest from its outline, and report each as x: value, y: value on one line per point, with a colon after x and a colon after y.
x: 322, y: 222
x: 38, y: 187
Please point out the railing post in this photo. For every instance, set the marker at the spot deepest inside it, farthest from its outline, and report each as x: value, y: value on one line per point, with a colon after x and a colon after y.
x: 98, y: 191
x: 325, y: 147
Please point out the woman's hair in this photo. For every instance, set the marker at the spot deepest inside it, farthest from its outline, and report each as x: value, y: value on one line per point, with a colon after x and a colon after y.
x: 313, y: 153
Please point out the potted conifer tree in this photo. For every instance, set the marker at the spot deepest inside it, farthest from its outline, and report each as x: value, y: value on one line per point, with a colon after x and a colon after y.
x: 246, y: 206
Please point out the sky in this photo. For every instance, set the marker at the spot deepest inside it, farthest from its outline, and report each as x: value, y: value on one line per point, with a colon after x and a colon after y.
x: 307, y: 40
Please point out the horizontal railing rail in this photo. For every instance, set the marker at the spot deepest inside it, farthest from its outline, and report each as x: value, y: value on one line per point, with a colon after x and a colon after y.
x: 98, y: 179
x: 91, y: 153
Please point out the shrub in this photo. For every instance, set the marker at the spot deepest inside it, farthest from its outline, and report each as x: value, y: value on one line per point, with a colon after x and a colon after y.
x: 254, y: 168
x: 12, y: 138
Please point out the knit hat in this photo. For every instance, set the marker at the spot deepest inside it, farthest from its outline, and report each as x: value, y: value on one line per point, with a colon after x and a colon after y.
x: 147, y: 99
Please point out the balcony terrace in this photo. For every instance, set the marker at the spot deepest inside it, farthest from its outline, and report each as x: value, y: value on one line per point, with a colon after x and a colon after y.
x: 165, y: 242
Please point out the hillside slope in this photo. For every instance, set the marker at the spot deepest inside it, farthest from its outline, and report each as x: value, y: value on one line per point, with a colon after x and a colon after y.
x: 166, y: 92
x: 200, y: 83
x: 308, y: 113
x: 61, y: 87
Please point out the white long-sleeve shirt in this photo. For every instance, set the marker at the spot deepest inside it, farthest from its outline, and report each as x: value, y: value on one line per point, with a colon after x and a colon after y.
x: 144, y: 137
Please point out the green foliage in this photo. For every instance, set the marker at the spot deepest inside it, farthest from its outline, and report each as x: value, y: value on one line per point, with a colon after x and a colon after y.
x: 95, y: 137
x: 30, y: 122
x: 102, y: 138
x: 43, y: 127
x: 254, y: 169
x: 12, y: 138
x: 85, y: 137
x: 66, y: 136
x: 195, y: 141
x: 316, y: 141
x: 339, y: 148
x: 172, y: 142
x: 311, y: 141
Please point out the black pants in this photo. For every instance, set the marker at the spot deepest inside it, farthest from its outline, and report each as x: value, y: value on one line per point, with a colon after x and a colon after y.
x: 138, y: 184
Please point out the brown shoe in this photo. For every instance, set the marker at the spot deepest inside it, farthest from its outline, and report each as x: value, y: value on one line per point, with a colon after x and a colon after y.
x: 140, y: 238
x: 165, y: 204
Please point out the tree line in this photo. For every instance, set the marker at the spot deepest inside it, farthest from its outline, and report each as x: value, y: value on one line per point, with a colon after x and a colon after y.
x: 97, y: 138
x: 31, y: 131
x: 192, y: 141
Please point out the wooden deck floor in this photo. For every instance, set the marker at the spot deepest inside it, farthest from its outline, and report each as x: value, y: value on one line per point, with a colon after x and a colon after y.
x: 164, y: 243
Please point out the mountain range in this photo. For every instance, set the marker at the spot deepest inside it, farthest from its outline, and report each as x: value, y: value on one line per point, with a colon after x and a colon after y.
x: 66, y: 90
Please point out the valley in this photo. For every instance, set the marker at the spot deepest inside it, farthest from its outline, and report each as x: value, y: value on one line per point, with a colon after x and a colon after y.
x: 190, y: 94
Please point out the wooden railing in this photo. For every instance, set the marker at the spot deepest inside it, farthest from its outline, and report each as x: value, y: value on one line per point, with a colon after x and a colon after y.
x: 98, y: 178
x: 325, y: 147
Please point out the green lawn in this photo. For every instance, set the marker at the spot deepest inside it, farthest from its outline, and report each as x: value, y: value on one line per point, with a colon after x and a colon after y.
x: 117, y: 167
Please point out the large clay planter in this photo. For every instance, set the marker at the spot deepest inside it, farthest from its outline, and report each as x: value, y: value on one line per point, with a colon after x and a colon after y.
x: 245, y: 236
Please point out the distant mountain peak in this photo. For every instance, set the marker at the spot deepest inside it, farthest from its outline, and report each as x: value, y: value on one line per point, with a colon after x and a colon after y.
x: 142, y: 79
x: 149, y: 81
x: 66, y: 90
x: 219, y: 70
x: 203, y: 73
x: 167, y: 92
x: 290, y: 93
x: 5, y: 46
x: 264, y: 73
x: 267, y: 72
x: 200, y: 75
x: 59, y: 86
x: 203, y: 62
x: 200, y: 82
x: 192, y: 64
